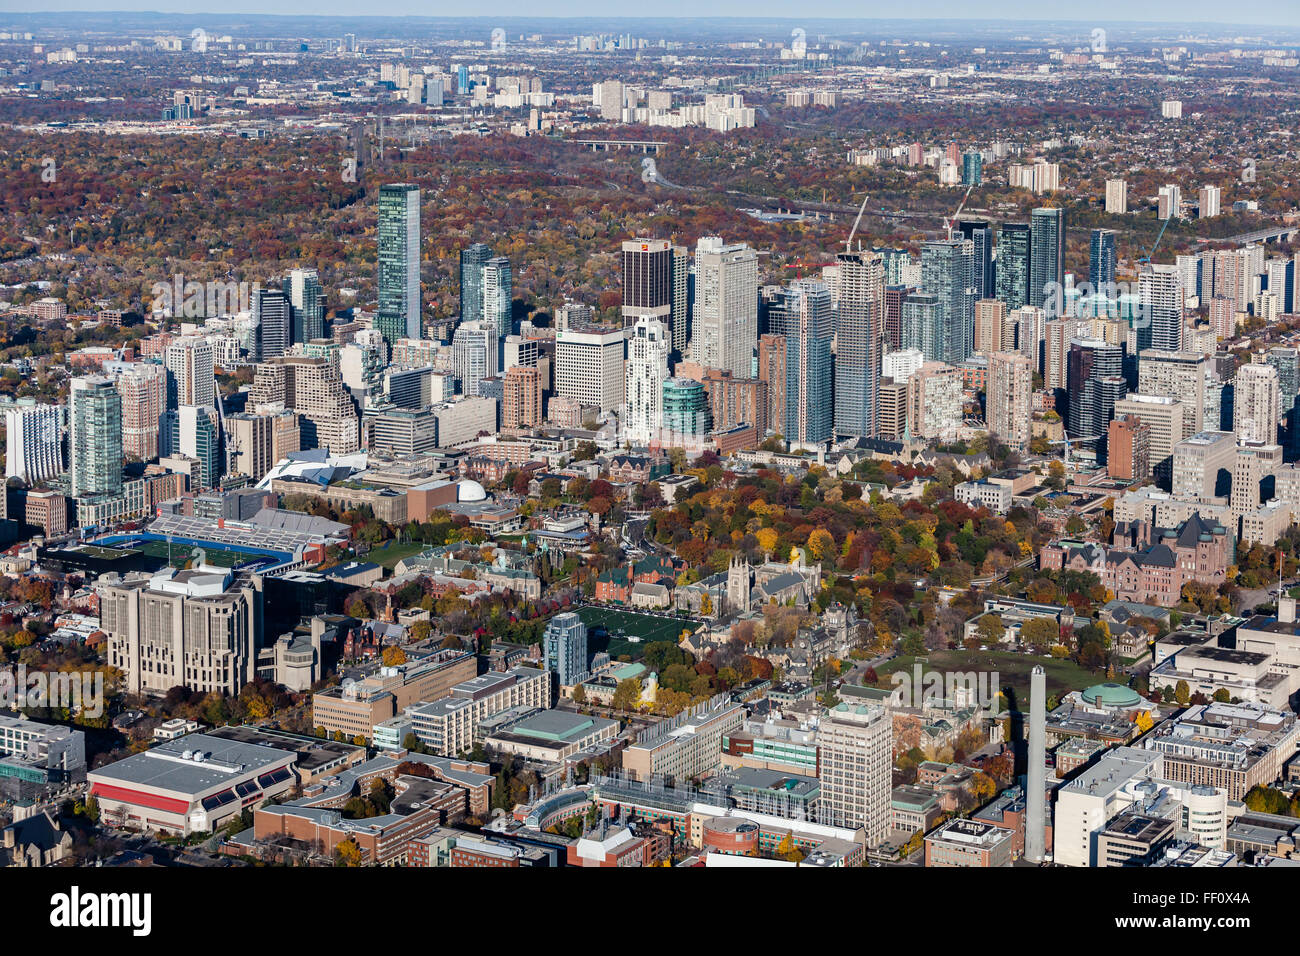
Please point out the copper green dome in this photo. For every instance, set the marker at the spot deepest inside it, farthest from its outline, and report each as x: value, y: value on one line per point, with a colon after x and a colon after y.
x: 1111, y: 695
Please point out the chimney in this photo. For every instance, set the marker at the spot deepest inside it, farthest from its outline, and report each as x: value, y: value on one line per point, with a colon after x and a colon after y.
x: 1036, y: 783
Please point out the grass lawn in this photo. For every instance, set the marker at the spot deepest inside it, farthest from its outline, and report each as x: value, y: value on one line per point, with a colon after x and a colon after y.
x: 645, y: 626
x: 392, y: 552
x: 1013, y: 670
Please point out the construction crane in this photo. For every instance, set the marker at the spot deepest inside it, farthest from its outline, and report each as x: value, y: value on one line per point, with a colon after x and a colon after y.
x: 848, y: 243
x: 1145, y: 260
x: 951, y: 220
x: 1066, y: 442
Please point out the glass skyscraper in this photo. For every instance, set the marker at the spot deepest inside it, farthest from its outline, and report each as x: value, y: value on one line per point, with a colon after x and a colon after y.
x: 1046, y: 259
x: 1101, y: 261
x: 947, y: 268
x: 686, y: 407
x: 858, y: 337
x: 1094, y: 376
x: 803, y: 315
x: 96, y: 425
x: 980, y: 232
x: 1012, y: 267
x: 472, y: 260
x: 921, y: 326
x: 308, y: 301
x: 399, y: 262
x: 496, y: 294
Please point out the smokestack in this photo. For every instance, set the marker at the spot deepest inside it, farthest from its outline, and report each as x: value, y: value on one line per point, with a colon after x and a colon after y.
x: 1036, y: 777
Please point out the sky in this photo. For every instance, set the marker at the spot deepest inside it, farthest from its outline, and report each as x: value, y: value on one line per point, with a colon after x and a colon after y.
x: 1286, y: 12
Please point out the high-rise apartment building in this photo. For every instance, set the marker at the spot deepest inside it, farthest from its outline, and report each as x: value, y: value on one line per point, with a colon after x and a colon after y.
x: 191, y: 372
x: 1095, y: 382
x: 648, y: 345
x: 314, y: 389
x: 200, y: 439
x: 472, y: 260
x: 947, y: 273
x: 1101, y: 261
x: 1046, y: 257
x: 934, y: 401
x: 399, y: 311
x: 564, y: 644
x: 143, y: 387
x: 274, y: 316
x: 521, y: 404
x: 1185, y: 376
x: 1256, y: 406
x: 1012, y: 267
x: 95, y: 423
x: 33, y: 441
x: 1128, y: 450
x: 857, y: 342
x: 1009, y: 398
x: 725, y: 326
x: 993, y: 333
x: 1116, y: 197
x: 1160, y: 296
x: 980, y: 233
x: 805, y: 318
x: 307, y: 300
x: 498, y: 295
x: 474, y: 354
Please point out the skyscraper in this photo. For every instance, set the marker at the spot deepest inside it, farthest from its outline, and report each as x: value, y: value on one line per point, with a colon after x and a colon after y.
x: 399, y: 262
x: 143, y: 388
x: 474, y: 354
x: 804, y: 317
x: 655, y: 283
x: 980, y: 232
x: 472, y: 260
x: 308, y: 302
x: 855, y: 747
x: 274, y: 323
x: 726, y: 306
x: 1009, y: 401
x: 858, y: 337
x: 1095, y: 383
x: 648, y: 346
x: 565, y: 646
x: 497, y: 295
x: 95, y: 415
x: 1012, y: 266
x: 921, y: 329
x: 1116, y: 196
x: 521, y: 405
x: 1046, y: 257
x: 1101, y: 261
x: 947, y: 269
x: 1160, y: 297
x: 200, y: 439
x: 1256, y: 403
x: 34, y: 441
x: 191, y: 372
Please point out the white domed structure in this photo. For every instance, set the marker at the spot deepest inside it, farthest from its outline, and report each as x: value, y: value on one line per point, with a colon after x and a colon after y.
x: 468, y: 490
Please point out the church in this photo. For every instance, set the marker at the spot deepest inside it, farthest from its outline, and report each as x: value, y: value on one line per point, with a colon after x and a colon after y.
x: 771, y: 583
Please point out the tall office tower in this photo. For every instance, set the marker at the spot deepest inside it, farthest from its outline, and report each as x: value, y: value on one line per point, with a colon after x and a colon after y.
x: 857, y: 342
x: 1287, y: 363
x: 980, y: 232
x: 1160, y: 296
x: 934, y: 401
x: 1128, y: 449
x: 250, y: 438
x: 805, y: 318
x: 1116, y: 197
x: 307, y: 299
x: 611, y: 100
x: 34, y: 442
x: 972, y: 168
x: 1203, y: 465
x: 472, y: 260
x: 498, y: 291
x: 1185, y: 376
x: 947, y: 267
x: 772, y: 370
x: 191, y: 372
x: 894, y: 296
x: 143, y: 388
x: 312, y: 387
x: 1036, y: 774
x: 399, y: 262
x: 993, y: 333
x: 1169, y: 202
x: 1256, y: 403
x: 725, y: 326
x: 521, y: 403
x: 892, y: 416
x: 1101, y: 261
x: 1095, y: 382
x: 1010, y: 394
x: 274, y: 323
x: 95, y: 422
x: 648, y: 346
x: 1046, y: 257
x: 855, y: 747
x: 1295, y: 282
x: 921, y: 329
x: 200, y: 439
x: 565, y: 645
x: 1012, y: 266
x: 648, y: 266
x: 474, y: 354
x: 589, y: 366
x: 1164, y: 417
x: 1208, y: 201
